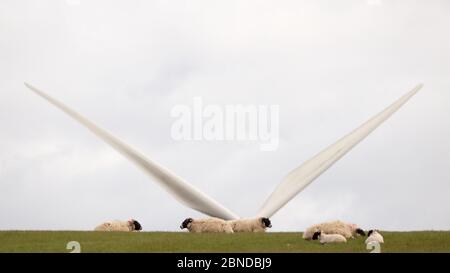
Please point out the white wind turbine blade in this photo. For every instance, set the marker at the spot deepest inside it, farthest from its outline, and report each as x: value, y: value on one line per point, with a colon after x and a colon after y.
x: 302, y: 176
x: 184, y: 192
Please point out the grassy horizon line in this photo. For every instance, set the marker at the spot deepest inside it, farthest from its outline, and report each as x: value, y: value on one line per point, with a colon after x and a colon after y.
x: 180, y: 242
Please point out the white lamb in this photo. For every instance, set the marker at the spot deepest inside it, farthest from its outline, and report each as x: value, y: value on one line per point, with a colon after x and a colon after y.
x: 259, y: 224
x: 116, y: 225
x: 374, y: 236
x: 329, y: 238
x: 334, y: 227
x: 207, y: 225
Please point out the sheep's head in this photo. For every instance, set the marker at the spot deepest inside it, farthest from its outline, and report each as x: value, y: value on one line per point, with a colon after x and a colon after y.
x: 360, y: 232
x: 266, y: 222
x: 371, y: 232
x: 316, y: 235
x: 136, y: 225
x: 186, y: 223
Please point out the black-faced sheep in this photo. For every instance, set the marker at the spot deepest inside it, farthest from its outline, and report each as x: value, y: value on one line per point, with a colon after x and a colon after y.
x: 334, y: 227
x: 374, y: 236
x: 116, y: 225
x: 206, y: 225
x: 251, y: 225
x: 328, y: 238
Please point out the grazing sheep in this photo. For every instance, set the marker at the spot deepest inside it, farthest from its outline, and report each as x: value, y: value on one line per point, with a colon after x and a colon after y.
x: 207, y: 225
x: 251, y: 225
x: 374, y: 236
x: 116, y: 225
x: 334, y: 227
x: 328, y: 238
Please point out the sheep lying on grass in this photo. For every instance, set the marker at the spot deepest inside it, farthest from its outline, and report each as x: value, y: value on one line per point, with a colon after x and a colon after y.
x: 374, y: 236
x: 116, y: 225
x: 334, y: 227
x: 328, y: 238
x: 251, y: 225
x: 206, y: 225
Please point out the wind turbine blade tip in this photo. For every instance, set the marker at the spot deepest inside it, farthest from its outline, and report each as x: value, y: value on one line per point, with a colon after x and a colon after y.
x: 29, y: 86
x: 418, y: 87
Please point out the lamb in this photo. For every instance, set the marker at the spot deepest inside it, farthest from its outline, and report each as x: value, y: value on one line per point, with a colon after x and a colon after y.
x: 328, y: 238
x: 206, y: 225
x: 374, y: 236
x: 334, y: 227
x: 251, y: 225
x: 116, y: 225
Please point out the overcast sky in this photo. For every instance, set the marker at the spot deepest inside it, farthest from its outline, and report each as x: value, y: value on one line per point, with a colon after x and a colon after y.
x: 329, y: 65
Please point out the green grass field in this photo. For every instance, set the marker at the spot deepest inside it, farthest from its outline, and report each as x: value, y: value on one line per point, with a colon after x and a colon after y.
x: 55, y: 241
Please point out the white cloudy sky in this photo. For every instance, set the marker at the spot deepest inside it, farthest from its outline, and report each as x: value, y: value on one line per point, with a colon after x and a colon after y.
x: 126, y: 64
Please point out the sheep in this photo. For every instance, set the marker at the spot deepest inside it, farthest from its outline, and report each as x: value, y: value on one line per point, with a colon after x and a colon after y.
x: 116, y: 225
x: 251, y: 225
x: 328, y: 238
x: 334, y: 227
x: 374, y: 236
x: 206, y: 225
